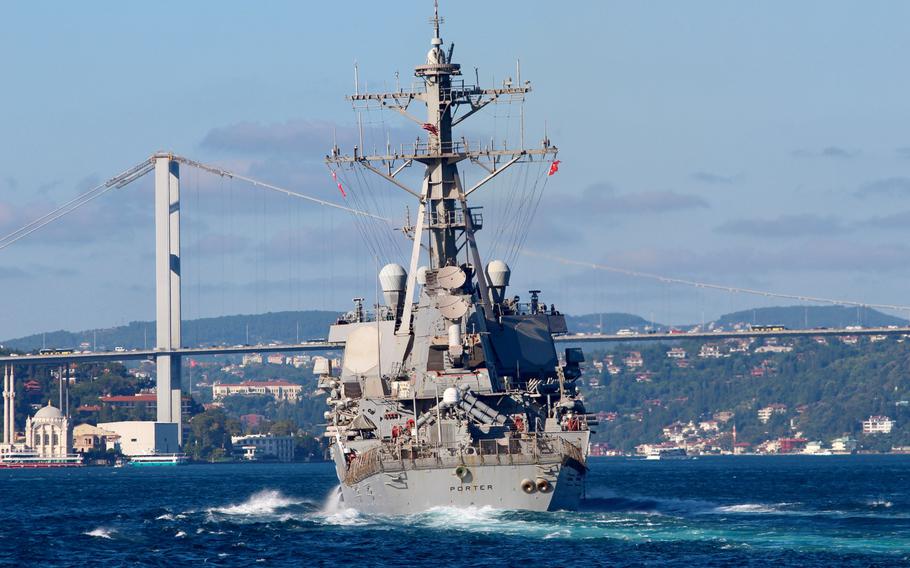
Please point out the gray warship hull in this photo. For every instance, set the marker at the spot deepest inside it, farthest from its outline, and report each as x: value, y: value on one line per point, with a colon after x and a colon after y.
x: 450, y: 392
x: 408, y: 488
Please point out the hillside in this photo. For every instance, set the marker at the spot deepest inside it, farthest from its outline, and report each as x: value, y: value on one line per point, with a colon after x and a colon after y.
x: 796, y: 317
x: 612, y: 322
x: 281, y: 327
x: 827, y: 389
x: 284, y: 326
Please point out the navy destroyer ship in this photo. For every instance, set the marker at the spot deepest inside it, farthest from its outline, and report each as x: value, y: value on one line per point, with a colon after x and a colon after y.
x: 452, y: 393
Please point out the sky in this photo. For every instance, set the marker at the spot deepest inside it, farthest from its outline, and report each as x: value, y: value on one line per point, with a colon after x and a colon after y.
x: 761, y: 145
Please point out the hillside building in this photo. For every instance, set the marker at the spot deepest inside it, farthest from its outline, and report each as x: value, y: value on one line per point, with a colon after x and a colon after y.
x: 277, y: 389
x: 878, y: 425
x: 765, y: 414
x: 676, y: 353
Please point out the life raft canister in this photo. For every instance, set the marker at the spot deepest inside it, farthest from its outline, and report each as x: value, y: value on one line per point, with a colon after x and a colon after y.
x: 519, y: 423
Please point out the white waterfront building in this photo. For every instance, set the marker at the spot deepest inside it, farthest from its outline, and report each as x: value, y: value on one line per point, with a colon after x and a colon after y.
x: 258, y: 446
x: 47, y: 433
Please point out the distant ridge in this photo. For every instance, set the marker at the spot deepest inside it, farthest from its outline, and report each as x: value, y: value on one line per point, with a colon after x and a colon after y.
x: 798, y: 317
x: 287, y: 327
x: 612, y: 322
x: 231, y: 330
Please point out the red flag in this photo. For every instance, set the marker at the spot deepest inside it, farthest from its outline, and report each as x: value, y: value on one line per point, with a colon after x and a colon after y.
x: 554, y: 167
x: 431, y: 128
x: 341, y: 189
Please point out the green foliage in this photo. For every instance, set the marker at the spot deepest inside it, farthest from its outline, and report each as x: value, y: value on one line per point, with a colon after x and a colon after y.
x: 306, y: 414
x: 210, y: 435
x: 828, y: 390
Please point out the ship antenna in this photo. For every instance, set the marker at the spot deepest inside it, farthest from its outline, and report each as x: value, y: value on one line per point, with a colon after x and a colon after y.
x: 436, y: 20
x: 436, y: 17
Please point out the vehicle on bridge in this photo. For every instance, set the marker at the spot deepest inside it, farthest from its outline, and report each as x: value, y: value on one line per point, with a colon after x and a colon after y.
x: 772, y: 327
x: 56, y: 351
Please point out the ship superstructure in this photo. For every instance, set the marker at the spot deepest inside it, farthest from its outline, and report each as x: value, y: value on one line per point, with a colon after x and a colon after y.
x: 452, y: 393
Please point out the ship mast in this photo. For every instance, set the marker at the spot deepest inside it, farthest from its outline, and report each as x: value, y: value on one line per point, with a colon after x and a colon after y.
x: 443, y: 210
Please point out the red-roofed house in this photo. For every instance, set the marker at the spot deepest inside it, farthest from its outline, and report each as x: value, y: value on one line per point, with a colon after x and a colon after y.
x: 252, y: 420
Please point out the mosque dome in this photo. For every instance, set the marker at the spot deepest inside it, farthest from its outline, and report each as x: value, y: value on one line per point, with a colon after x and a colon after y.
x: 48, y: 412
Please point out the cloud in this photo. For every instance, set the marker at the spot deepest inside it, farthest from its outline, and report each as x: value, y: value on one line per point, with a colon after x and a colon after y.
x: 900, y: 220
x: 603, y: 199
x: 784, y: 227
x: 216, y: 244
x: 11, y: 272
x: 304, y: 137
x: 825, y: 256
x: 114, y: 217
x: 891, y: 186
x: 837, y: 152
x: 830, y: 152
x: 712, y: 178
x: 37, y: 271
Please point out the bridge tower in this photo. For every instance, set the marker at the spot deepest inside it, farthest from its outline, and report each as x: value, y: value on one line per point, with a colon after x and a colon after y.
x: 167, y: 286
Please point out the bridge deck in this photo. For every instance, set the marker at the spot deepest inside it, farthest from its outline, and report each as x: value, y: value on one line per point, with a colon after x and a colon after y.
x: 139, y: 354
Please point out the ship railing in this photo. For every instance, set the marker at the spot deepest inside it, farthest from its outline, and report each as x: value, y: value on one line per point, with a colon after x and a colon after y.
x: 455, y: 218
x: 523, y: 450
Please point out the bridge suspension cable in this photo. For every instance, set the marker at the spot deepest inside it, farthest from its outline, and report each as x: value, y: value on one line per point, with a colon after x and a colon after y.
x: 264, y: 185
x: 710, y: 286
x: 139, y: 170
x: 115, y: 182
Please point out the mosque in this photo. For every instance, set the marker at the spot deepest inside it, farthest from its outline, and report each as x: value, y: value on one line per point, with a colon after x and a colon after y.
x: 48, y: 439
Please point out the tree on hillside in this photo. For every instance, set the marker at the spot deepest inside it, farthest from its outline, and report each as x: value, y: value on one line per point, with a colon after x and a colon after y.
x: 210, y: 435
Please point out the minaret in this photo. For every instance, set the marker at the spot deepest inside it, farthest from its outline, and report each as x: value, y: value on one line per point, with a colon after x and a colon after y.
x: 6, y: 434
x: 9, y: 406
x: 12, y: 406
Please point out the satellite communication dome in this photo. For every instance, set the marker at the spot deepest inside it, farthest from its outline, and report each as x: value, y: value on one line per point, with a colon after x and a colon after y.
x: 393, y: 279
x: 499, y: 273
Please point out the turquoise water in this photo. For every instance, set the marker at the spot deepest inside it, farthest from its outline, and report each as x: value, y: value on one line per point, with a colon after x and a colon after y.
x: 742, y: 511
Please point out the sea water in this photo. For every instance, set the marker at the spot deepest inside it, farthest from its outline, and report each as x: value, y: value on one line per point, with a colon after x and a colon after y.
x: 713, y: 511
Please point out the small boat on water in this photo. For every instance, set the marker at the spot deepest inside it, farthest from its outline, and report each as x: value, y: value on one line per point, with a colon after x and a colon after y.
x: 158, y: 460
x: 31, y: 460
x: 667, y: 454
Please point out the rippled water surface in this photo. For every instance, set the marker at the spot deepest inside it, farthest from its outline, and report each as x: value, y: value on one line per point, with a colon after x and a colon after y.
x: 785, y: 511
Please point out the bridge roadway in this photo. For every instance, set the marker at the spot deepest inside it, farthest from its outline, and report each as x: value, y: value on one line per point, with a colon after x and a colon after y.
x: 78, y: 357
x: 824, y: 332
x: 139, y: 354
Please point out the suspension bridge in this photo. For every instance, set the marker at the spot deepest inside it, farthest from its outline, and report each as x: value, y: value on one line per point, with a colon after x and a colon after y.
x: 170, y: 346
